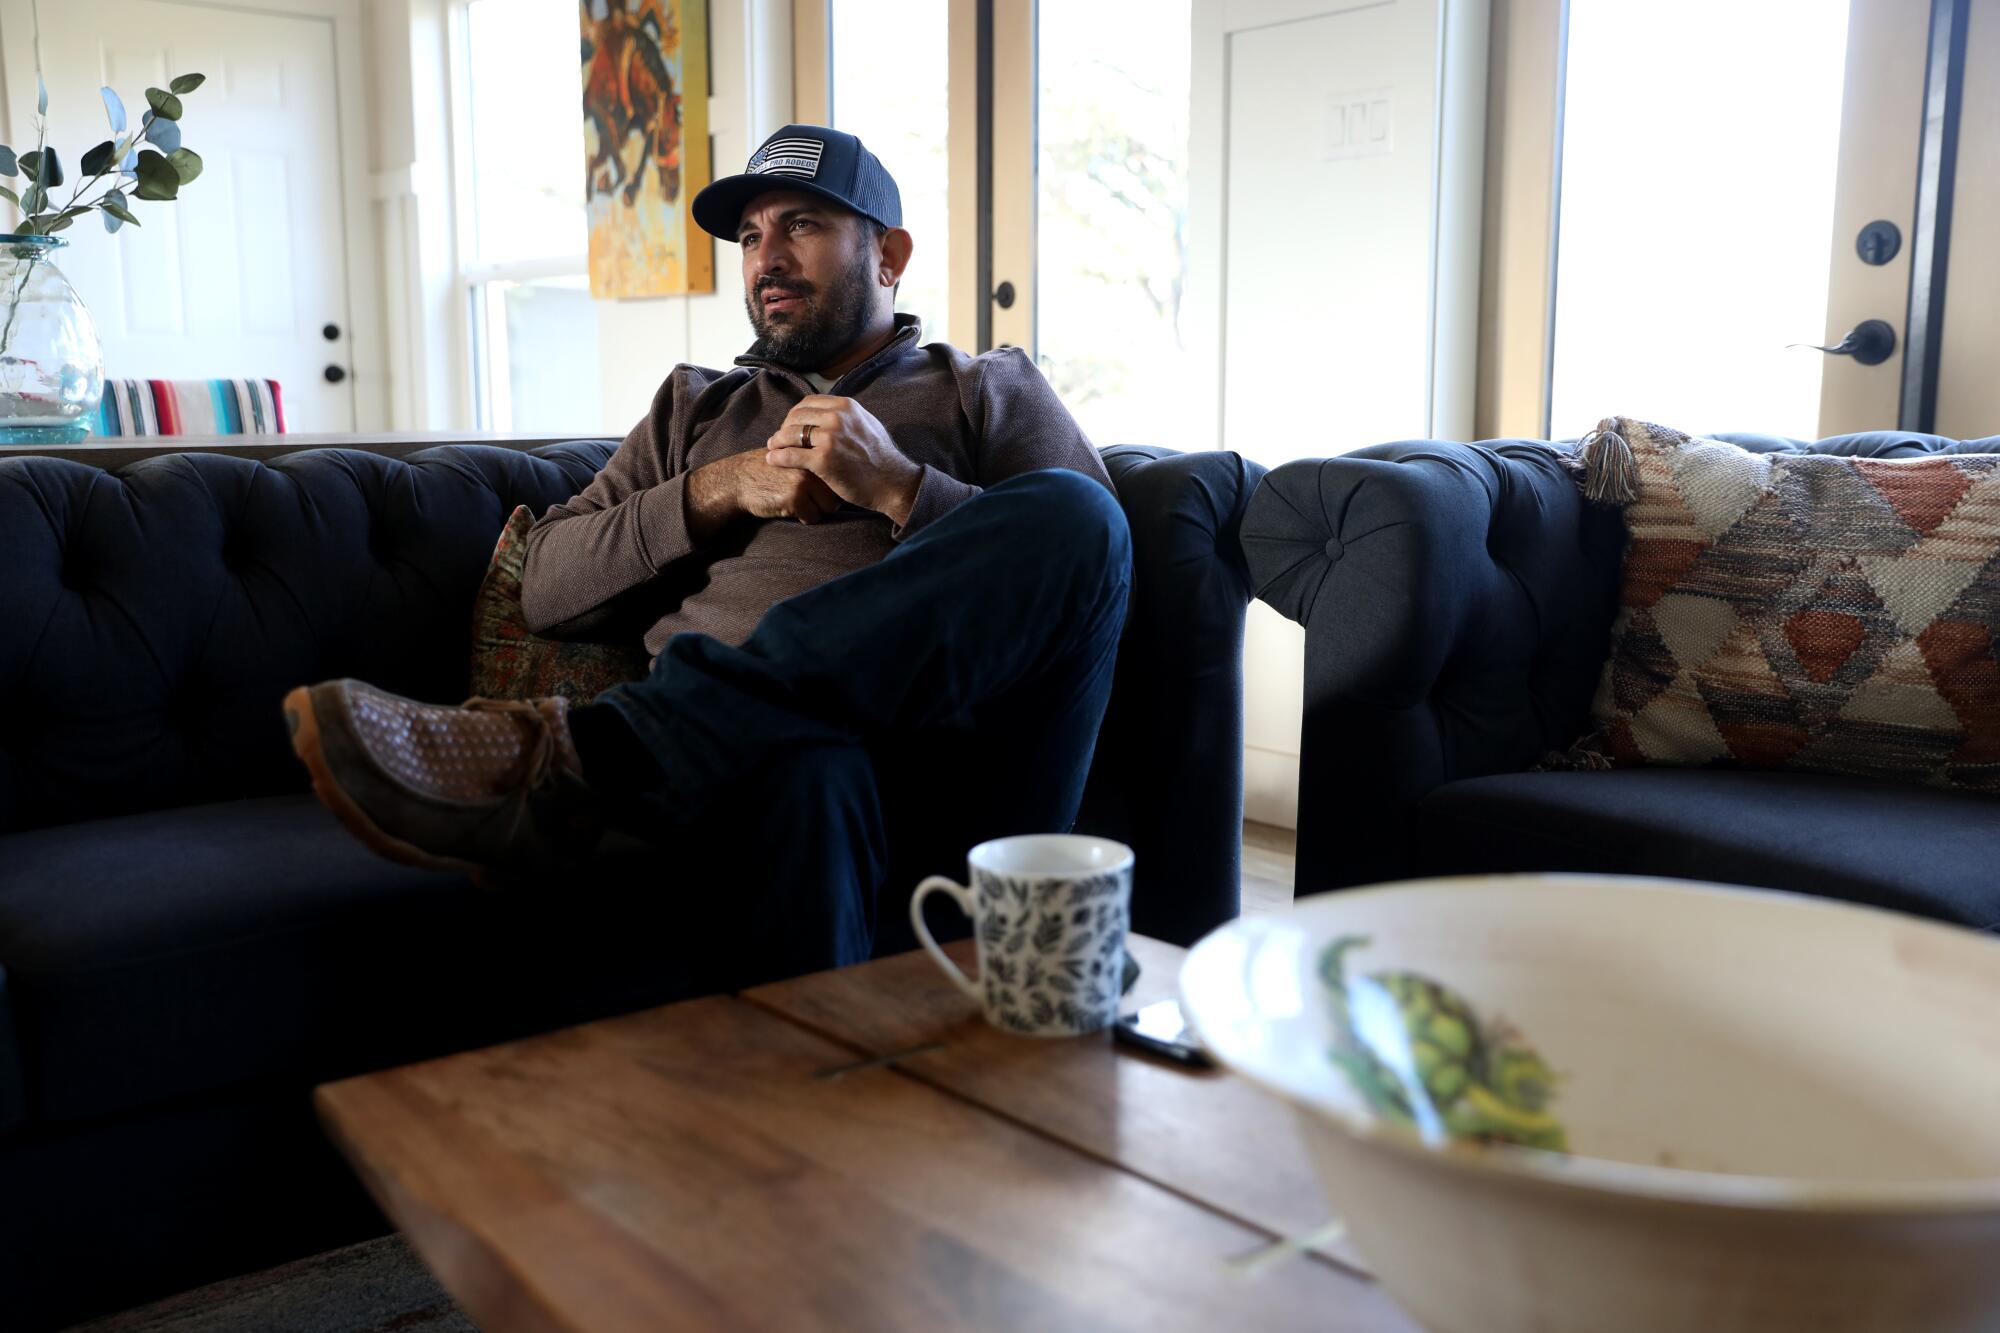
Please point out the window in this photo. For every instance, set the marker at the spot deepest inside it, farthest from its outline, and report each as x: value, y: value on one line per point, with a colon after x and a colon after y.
x: 1111, y: 212
x: 523, y: 237
x: 889, y: 80
x: 1086, y: 147
x: 1694, y: 237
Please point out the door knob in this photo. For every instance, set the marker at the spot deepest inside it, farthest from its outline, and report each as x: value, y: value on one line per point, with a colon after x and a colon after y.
x: 1870, y: 343
x: 334, y: 374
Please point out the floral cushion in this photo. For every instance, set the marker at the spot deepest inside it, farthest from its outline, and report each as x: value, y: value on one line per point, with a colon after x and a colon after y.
x: 1801, y: 611
x: 510, y: 661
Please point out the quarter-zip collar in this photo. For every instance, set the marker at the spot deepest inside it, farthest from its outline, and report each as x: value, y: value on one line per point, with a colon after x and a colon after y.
x: 908, y: 329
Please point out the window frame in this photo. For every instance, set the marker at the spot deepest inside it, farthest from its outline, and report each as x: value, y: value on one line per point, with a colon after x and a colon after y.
x: 486, y: 385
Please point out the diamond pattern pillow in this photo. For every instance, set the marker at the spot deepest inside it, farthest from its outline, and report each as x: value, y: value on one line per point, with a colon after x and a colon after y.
x: 1800, y: 611
x: 511, y: 661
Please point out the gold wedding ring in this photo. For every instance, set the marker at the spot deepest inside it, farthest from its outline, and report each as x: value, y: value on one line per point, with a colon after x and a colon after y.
x: 806, y: 436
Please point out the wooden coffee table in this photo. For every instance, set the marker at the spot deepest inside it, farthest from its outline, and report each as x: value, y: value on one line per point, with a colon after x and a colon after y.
x: 855, y: 1149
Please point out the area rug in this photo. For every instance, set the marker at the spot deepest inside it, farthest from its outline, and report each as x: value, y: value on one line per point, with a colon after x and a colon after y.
x: 377, y: 1286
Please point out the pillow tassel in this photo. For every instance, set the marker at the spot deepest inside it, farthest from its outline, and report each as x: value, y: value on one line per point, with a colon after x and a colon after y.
x: 1610, y: 472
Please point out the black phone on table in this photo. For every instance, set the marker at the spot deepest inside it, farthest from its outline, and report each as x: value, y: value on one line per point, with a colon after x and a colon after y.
x: 1160, y: 1029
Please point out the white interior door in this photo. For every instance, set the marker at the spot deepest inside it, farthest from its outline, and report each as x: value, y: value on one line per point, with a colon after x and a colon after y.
x: 1341, y: 260
x: 245, y: 272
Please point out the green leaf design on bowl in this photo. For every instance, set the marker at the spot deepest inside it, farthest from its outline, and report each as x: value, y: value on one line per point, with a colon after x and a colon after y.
x: 1421, y: 1056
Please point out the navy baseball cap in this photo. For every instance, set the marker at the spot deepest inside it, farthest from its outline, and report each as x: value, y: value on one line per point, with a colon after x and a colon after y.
x: 811, y: 158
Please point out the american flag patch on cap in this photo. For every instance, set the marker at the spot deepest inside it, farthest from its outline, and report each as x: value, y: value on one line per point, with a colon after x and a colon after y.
x: 787, y: 157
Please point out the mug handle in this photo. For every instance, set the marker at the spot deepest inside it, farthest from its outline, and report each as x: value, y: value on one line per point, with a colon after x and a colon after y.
x: 963, y: 896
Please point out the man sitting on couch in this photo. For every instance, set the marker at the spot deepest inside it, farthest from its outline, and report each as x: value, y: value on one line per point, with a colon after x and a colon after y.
x: 886, y: 584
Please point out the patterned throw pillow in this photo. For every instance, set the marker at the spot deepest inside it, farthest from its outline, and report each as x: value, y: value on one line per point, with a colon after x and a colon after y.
x: 1800, y: 611
x: 511, y: 661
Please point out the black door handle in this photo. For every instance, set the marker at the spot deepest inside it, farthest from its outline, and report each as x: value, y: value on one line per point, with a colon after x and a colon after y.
x: 1870, y: 343
x: 334, y: 374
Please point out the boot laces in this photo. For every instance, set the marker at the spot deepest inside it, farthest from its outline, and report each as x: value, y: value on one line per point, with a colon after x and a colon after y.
x: 541, y: 751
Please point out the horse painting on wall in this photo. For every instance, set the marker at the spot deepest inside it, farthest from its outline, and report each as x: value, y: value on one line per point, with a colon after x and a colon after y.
x: 645, y: 129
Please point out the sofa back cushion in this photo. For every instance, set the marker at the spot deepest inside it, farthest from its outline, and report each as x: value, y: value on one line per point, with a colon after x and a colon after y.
x: 151, y: 619
x: 1803, y: 611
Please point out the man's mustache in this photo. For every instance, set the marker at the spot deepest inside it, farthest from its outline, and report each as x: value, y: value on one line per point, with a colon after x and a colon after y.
x: 794, y: 288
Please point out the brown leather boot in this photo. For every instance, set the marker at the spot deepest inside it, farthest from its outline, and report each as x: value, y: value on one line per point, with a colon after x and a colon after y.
x: 491, y: 784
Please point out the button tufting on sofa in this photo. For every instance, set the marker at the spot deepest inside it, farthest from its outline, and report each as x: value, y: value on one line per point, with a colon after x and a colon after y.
x: 189, y: 940
x: 1464, y: 643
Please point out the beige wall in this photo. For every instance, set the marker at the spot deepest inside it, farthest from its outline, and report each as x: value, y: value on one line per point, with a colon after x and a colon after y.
x: 1881, y: 111
x: 1519, y: 221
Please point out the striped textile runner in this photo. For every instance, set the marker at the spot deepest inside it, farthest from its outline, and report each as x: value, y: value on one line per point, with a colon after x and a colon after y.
x: 190, y: 407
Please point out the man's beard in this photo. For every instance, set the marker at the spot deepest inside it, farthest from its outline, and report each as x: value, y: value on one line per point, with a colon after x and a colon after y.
x: 829, y: 323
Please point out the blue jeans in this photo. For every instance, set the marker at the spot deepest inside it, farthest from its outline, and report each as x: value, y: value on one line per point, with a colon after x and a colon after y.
x: 873, y: 729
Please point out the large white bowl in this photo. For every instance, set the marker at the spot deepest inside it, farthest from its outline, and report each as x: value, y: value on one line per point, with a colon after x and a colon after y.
x: 1782, y: 1113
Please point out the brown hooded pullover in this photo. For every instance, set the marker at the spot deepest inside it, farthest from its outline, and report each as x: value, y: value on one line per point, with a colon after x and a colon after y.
x: 969, y: 421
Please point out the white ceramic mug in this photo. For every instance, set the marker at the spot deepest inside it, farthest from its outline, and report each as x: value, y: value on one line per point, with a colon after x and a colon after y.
x: 1050, y: 912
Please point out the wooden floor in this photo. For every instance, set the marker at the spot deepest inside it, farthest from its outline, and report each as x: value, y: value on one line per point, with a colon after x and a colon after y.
x: 1269, y: 854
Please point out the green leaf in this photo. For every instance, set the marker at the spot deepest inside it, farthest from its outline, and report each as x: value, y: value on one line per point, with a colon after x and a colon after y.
x: 62, y: 220
x: 43, y: 166
x: 97, y: 160
x: 114, y: 110
x: 33, y: 198
x: 114, y: 204
x: 187, y: 83
x: 157, y: 177
x: 186, y: 163
x: 112, y: 222
x: 164, y: 103
x: 10, y: 196
x: 9, y: 164
x: 165, y: 135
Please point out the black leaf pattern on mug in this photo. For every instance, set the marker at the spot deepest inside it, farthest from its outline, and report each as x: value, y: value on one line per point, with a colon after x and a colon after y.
x: 1051, y: 949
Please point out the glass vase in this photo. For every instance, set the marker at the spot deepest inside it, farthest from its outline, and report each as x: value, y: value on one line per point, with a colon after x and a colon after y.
x: 51, y: 371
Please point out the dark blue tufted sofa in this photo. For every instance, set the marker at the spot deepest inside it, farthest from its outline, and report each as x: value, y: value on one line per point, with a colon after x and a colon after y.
x: 188, y: 943
x: 1457, y: 600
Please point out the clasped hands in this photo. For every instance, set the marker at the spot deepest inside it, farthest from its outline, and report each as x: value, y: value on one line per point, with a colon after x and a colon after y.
x: 804, y: 475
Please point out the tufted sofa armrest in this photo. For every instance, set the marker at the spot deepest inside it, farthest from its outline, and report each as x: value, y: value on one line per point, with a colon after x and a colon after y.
x: 1457, y: 601
x: 1168, y: 776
